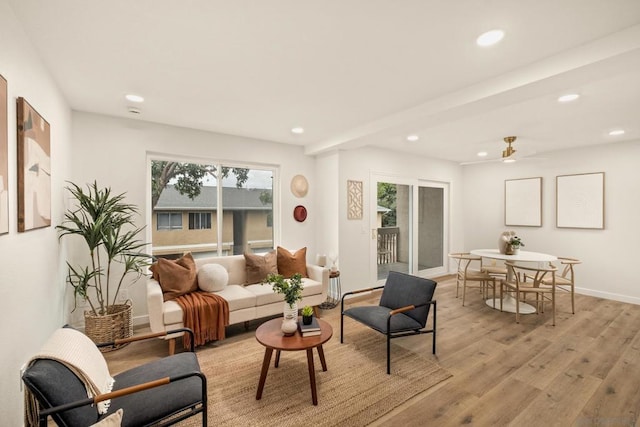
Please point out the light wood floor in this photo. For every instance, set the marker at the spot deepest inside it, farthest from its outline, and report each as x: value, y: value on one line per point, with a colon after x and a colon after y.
x: 585, y: 371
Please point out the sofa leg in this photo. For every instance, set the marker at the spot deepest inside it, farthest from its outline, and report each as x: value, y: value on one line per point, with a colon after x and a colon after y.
x: 316, y: 311
x: 246, y: 325
x: 172, y: 346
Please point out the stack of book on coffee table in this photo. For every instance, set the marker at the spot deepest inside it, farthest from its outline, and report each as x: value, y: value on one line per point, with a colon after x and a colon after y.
x: 311, y: 329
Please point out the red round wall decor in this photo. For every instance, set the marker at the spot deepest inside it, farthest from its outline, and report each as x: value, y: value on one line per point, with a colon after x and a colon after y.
x: 300, y: 213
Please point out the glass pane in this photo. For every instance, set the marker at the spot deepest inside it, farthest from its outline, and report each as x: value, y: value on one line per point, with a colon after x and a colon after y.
x: 394, y: 225
x: 184, y: 188
x: 247, y: 200
x: 430, y: 227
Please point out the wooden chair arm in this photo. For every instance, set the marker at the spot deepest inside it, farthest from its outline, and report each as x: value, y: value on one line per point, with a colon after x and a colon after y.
x: 143, y: 337
x: 359, y: 291
x: 409, y: 308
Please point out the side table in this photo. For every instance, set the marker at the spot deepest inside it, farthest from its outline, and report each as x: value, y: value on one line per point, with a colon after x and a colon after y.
x: 334, y: 293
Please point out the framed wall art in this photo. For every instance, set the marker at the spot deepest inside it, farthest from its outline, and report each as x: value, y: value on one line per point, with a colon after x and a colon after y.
x: 4, y: 158
x: 580, y: 200
x: 523, y: 202
x: 34, y: 168
x: 354, y: 199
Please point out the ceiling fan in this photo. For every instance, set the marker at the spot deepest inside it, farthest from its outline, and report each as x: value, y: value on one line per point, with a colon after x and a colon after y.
x: 508, y: 154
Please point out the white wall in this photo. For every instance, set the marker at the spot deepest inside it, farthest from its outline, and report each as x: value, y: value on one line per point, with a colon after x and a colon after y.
x: 32, y: 269
x: 608, y: 255
x: 114, y: 152
x: 356, y: 260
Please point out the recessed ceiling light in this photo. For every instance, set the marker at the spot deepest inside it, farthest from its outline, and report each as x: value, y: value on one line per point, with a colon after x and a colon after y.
x: 617, y: 132
x: 508, y: 160
x: 490, y: 38
x: 568, y: 97
x: 297, y: 130
x: 413, y: 138
x: 482, y: 154
x: 134, y: 98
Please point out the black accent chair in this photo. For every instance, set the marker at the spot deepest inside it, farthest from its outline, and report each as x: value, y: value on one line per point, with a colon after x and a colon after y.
x: 403, y: 309
x: 159, y: 393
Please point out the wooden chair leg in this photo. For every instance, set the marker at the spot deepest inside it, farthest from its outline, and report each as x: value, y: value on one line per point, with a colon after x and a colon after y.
x: 172, y: 346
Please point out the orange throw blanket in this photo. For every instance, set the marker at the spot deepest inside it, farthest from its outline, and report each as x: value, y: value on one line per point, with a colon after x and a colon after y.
x: 206, y: 314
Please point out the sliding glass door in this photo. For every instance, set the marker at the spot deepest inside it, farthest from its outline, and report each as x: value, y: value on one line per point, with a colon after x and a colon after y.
x: 410, y: 231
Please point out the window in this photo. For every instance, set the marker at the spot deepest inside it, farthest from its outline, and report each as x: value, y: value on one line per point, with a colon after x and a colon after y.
x: 199, y: 220
x: 229, y: 208
x: 169, y: 221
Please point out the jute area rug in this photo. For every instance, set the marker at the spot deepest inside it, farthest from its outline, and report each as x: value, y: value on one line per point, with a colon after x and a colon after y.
x: 354, y: 391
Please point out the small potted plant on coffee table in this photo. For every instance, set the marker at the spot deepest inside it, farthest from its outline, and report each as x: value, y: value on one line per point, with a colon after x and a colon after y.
x: 307, y: 315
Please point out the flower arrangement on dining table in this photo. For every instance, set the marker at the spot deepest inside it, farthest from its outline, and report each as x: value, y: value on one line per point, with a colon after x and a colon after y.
x: 515, y: 242
x: 291, y: 288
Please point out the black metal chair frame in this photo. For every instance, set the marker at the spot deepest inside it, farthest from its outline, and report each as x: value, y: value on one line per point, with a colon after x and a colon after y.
x: 398, y: 334
x: 199, y: 407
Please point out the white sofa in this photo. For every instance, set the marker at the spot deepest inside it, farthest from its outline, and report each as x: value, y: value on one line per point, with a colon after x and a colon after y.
x: 246, y: 301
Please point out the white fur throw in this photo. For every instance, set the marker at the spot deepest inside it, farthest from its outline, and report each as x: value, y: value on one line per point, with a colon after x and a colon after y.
x: 212, y: 277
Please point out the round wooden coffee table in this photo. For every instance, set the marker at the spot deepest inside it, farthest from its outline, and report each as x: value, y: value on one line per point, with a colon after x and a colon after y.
x: 271, y: 337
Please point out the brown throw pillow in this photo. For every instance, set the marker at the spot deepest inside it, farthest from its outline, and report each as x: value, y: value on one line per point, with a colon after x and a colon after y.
x: 290, y: 264
x: 260, y: 266
x: 176, y: 277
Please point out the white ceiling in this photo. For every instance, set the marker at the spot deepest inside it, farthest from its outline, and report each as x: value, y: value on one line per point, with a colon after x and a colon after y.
x: 354, y: 72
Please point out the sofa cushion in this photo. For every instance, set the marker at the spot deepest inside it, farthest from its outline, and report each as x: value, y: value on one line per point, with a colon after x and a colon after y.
x: 292, y: 263
x: 212, y: 277
x: 176, y: 277
x: 264, y: 294
x: 237, y: 297
x: 260, y: 266
x: 311, y: 287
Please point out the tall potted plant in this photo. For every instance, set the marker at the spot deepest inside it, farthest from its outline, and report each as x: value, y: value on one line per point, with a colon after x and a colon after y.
x: 106, y: 224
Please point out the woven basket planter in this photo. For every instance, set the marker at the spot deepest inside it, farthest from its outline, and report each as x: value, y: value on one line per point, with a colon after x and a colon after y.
x: 116, y: 324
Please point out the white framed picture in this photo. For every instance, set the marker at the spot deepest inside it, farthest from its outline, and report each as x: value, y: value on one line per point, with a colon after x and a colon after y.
x: 523, y: 202
x: 580, y: 200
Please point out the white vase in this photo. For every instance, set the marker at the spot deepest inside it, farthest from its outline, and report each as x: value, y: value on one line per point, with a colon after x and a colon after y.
x: 290, y: 319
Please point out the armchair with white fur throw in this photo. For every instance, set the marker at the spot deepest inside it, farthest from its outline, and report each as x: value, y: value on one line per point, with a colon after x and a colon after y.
x: 403, y: 309
x: 69, y: 380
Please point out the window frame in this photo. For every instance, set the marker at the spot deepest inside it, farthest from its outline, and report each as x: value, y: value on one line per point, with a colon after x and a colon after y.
x: 275, y: 191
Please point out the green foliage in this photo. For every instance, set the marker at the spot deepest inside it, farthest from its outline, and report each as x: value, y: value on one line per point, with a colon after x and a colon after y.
x: 516, y: 242
x: 106, y: 224
x: 188, y: 177
x: 290, y: 288
x: 387, y: 196
x: 307, y: 311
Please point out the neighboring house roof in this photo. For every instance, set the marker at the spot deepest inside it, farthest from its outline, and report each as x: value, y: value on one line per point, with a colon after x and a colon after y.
x: 232, y: 198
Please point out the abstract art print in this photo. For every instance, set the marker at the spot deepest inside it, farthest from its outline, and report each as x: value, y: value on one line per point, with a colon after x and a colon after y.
x: 34, y: 168
x: 4, y: 159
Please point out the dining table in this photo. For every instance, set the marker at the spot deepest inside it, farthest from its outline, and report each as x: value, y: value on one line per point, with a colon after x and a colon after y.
x: 508, y: 301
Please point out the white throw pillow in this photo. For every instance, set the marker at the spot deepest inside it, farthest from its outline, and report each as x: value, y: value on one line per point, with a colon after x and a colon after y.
x: 212, y: 277
x: 113, y: 420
